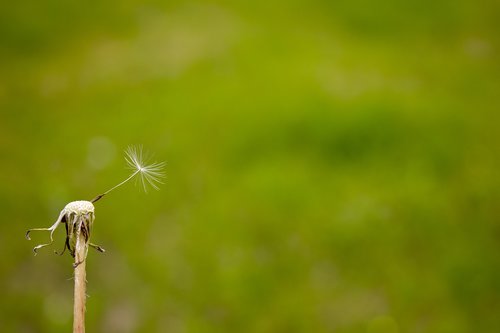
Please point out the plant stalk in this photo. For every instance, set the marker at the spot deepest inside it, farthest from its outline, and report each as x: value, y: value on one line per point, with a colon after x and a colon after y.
x: 80, y: 284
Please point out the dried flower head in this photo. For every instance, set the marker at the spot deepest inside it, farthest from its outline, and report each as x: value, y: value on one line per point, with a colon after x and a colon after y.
x: 78, y: 217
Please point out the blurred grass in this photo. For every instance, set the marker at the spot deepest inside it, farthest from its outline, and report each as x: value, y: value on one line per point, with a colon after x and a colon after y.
x: 332, y: 166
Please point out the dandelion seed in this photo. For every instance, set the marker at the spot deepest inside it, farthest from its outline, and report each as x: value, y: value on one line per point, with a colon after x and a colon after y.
x: 151, y: 174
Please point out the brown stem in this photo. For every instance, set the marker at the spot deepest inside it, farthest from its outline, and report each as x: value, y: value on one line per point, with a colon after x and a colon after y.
x: 80, y: 284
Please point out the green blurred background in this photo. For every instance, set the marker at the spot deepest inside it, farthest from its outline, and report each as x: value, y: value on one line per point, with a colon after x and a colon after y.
x: 332, y: 165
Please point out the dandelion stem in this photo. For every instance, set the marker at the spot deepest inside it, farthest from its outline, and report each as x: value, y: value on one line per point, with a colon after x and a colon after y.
x: 80, y: 284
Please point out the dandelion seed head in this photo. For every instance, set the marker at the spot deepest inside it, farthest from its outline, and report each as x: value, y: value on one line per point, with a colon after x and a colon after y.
x: 79, y: 207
